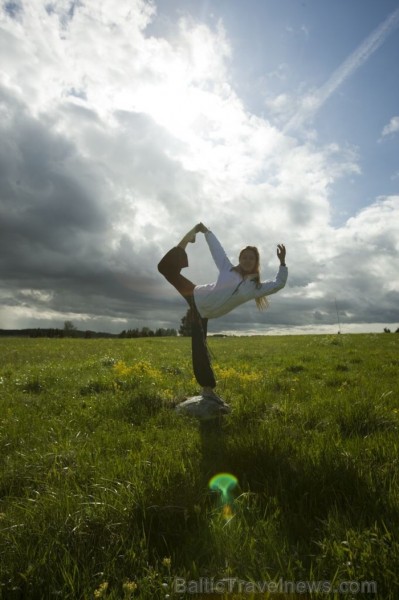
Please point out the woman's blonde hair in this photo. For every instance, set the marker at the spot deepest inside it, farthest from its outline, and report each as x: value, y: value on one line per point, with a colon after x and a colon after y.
x: 261, y: 302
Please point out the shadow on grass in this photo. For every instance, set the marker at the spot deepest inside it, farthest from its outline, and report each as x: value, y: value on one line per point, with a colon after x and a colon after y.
x: 309, y: 489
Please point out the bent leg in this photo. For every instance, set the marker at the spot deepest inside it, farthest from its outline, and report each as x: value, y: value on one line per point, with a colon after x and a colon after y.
x: 170, y: 266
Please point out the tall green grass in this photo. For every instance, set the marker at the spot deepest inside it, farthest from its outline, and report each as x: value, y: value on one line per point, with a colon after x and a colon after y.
x: 104, y: 487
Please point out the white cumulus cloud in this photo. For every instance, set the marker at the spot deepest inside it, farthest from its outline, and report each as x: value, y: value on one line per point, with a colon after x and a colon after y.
x: 117, y: 141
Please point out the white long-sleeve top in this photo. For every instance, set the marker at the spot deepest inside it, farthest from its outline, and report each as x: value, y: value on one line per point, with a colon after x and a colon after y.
x: 230, y: 289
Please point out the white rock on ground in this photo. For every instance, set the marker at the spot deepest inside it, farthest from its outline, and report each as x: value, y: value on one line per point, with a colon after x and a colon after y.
x: 204, y: 408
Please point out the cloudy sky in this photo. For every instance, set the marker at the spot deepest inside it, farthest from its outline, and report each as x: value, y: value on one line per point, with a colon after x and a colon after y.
x: 123, y: 123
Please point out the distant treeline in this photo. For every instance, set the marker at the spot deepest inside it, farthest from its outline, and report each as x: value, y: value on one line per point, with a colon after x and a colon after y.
x: 75, y: 333
x: 54, y: 333
x: 147, y: 332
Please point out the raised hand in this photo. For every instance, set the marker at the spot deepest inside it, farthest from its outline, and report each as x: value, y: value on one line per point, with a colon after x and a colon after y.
x: 281, y: 252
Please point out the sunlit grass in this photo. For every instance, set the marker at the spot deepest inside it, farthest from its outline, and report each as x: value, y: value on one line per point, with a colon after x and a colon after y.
x: 104, y: 487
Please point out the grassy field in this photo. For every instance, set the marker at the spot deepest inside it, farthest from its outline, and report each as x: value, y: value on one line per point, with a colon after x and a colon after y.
x: 104, y: 487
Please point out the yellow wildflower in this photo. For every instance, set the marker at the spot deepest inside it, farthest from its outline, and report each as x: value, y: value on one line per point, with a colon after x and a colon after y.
x: 101, y: 590
x: 129, y: 587
x: 167, y: 562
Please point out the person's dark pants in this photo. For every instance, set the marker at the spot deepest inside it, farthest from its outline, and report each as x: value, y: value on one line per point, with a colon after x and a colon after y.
x: 170, y: 266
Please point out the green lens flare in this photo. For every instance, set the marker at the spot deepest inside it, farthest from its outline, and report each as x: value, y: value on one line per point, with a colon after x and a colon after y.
x: 224, y: 483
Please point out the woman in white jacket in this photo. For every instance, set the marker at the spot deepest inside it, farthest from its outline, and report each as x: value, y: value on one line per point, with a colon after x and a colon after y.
x: 234, y: 286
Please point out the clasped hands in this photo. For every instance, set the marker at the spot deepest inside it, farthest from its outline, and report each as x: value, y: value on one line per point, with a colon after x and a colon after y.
x: 200, y: 227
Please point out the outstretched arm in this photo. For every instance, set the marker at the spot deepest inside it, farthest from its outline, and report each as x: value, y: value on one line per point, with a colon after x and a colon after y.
x: 217, y: 251
x: 271, y: 287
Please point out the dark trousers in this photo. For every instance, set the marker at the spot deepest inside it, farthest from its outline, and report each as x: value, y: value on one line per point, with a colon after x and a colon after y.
x: 170, y: 266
